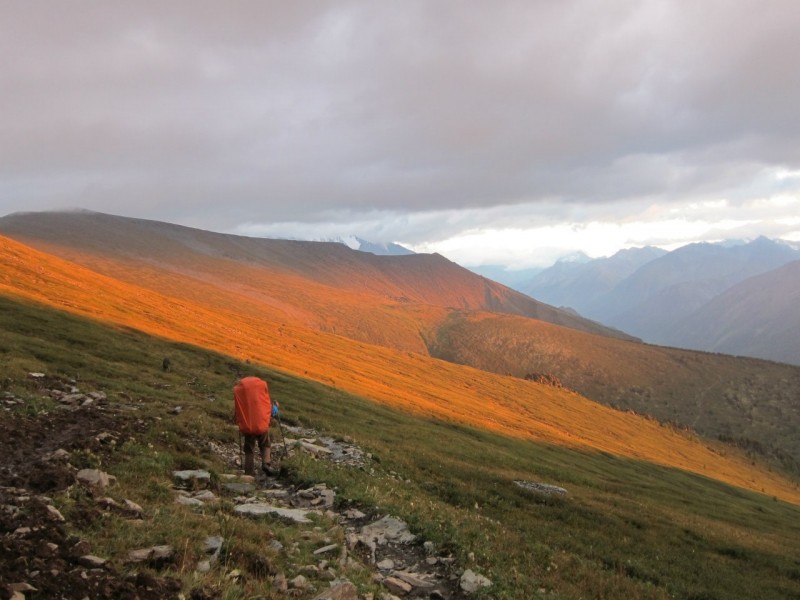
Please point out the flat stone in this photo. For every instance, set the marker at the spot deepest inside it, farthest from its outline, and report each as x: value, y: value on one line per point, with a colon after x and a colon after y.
x: 188, y: 501
x: 239, y: 488
x: 204, y: 496
x: 197, y: 478
x: 354, y: 513
x: 326, y: 549
x: 258, y: 509
x: 314, y: 448
x: 339, y: 591
x: 397, y: 586
x: 92, y: 561
x: 415, y: 580
x: 387, y: 564
x: 154, y: 553
x: 276, y: 493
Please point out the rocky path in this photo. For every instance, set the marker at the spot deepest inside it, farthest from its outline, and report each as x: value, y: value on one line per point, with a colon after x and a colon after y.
x: 41, y: 556
x: 402, y: 564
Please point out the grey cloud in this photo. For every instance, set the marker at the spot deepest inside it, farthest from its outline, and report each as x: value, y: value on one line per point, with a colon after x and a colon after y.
x: 276, y: 113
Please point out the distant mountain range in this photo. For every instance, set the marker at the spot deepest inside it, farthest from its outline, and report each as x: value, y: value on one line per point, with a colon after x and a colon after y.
x: 671, y: 297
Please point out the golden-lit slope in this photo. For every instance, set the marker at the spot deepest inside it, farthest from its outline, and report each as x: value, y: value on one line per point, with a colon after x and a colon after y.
x: 98, y: 240
x: 412, y: 382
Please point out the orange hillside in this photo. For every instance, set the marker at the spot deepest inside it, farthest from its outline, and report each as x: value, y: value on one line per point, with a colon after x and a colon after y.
x: 406, y: 380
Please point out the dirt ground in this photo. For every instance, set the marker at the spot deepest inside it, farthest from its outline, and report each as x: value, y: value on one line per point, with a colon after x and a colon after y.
x: 38, y: 557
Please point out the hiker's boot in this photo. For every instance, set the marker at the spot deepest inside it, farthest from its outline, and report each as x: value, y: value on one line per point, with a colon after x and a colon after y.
x: 266, y: 462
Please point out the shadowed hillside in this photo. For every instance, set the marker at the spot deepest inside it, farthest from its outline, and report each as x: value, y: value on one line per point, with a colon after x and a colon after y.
x: 414, y: 383
x: 747, y: 401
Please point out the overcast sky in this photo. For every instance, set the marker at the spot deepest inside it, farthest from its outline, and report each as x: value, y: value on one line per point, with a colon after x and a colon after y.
x: 492, y: 132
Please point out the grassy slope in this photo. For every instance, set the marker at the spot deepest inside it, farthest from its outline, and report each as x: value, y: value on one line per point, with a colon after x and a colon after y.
x: 748, y: 401
x: 627, y: 529
x: 379, y: 300
x: 417, y: 384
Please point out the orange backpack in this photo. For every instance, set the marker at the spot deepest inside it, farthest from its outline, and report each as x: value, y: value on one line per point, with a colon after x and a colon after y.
x: 253, y: 405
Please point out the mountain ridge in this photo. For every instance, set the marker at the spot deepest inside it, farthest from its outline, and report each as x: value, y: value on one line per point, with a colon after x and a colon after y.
x: 429, y: 279
x: 654, y: 300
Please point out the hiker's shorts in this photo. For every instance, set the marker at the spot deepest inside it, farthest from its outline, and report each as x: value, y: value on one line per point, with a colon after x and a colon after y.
x: 251, y: 440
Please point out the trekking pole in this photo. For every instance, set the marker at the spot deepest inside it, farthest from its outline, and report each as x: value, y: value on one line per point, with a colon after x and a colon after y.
x: 283, y: 437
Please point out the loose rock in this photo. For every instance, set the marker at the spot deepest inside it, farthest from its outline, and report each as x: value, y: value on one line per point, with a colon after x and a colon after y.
x: 153, y: 554
x: 95, y: 479
x: 195, y: 479
x: 339, y: 591
x: 259, y: 509
x: 471, y: 582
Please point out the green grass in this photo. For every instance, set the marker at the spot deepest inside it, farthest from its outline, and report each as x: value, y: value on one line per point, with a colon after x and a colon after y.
x: 626, y: 529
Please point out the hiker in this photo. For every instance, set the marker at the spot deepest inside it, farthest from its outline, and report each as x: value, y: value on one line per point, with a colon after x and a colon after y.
x: 252, y: 411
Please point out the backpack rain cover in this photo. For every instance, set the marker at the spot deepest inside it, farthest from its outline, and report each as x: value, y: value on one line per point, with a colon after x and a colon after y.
x: 253, y: 405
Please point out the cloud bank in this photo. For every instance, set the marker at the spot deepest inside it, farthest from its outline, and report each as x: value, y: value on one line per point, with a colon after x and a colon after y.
x: 430, y: 124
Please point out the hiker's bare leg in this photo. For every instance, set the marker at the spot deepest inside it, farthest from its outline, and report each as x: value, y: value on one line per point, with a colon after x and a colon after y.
x: 266, y: 454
